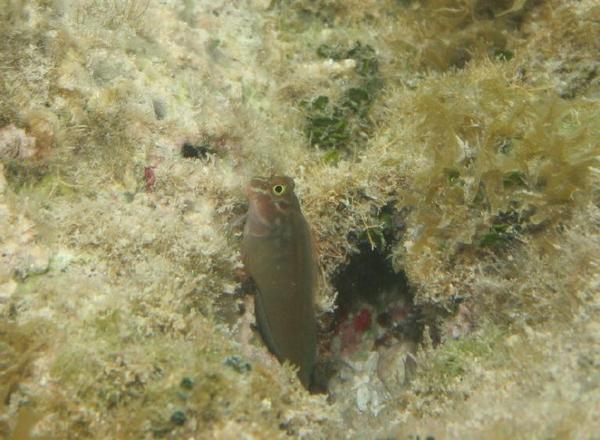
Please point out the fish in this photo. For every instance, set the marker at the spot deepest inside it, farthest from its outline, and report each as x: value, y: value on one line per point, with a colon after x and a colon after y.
x: 279, y: 255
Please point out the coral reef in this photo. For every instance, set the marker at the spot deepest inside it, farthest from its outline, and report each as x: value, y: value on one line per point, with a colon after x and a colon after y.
x: 445, y: 153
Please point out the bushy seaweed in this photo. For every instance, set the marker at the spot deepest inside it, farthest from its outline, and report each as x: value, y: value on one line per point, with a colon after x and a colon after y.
x: 472, y: 174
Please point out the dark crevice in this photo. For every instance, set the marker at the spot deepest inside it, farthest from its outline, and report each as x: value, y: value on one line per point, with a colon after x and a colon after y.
x: 375, y: 309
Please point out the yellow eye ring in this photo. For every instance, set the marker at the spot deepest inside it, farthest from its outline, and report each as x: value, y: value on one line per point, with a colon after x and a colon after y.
x: 278, y: 190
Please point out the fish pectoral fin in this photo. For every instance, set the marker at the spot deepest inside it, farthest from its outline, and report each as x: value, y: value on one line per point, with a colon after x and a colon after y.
x: 262, y: 323
x: 236, y: 225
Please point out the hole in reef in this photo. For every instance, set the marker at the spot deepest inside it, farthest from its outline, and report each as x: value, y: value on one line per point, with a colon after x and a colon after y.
x: 375, y: 314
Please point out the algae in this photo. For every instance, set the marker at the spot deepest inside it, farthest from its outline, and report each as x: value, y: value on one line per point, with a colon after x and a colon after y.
x: 448, y: 146
x: 344, y: 124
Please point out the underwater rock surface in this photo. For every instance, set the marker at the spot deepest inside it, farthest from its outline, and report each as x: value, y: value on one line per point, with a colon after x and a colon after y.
x: 445, y: 151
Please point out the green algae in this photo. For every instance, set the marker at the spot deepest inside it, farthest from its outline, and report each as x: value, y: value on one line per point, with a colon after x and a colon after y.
x: 344, y: 125
x: 457, y: 357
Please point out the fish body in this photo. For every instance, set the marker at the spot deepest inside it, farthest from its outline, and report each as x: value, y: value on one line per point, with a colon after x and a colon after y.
x: 278, y: 254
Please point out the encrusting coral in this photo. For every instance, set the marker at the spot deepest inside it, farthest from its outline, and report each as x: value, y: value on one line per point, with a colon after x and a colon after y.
x: 446, y: 148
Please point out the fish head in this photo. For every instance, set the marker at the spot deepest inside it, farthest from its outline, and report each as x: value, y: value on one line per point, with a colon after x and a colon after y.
x: 271, y: 202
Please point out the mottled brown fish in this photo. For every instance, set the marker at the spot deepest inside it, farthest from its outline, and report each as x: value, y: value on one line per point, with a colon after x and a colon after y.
x: 279, y: 255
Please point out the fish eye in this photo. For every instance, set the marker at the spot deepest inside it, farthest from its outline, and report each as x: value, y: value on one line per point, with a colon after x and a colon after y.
x: 278, y: 190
